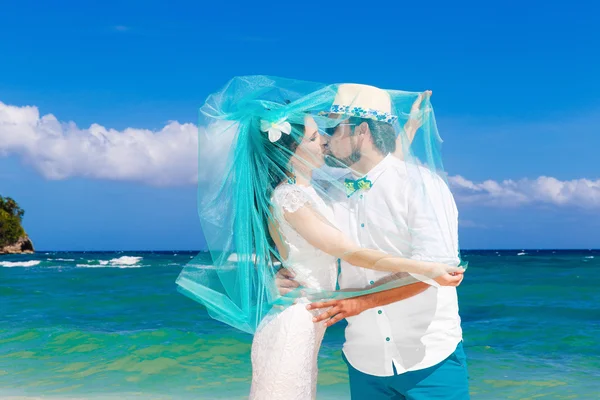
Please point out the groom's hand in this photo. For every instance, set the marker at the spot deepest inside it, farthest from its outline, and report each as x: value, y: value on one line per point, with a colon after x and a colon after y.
x: 284, y: 279
x: 339, y: 310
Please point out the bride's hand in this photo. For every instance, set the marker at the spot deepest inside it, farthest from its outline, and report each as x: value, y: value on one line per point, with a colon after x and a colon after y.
x: 445, y: 274
x: 451, y: 276
x: 449, y: 280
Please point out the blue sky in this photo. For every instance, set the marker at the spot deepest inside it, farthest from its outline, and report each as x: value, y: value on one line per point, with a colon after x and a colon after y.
x: 515, y: 85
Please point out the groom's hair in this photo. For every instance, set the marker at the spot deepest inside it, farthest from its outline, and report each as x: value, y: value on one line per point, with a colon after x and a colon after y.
x: 383, y: 134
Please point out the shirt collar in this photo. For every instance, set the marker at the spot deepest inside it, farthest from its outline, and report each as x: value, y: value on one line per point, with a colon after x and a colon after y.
x: 378, y: 169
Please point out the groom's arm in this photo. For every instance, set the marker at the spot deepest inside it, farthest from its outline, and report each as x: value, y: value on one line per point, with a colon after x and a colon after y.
x: 340, y: 309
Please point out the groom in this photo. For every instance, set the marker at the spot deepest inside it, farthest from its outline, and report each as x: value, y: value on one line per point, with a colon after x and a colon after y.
x: 404, y: 343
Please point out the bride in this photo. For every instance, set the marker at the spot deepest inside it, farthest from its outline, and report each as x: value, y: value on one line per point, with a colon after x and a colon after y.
x: 278, y: 213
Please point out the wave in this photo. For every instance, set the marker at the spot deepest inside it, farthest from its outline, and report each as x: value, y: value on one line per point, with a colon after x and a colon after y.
x: 31, y: 263
x: 589, y: 257
x: 121, y: 262
x: 125, y: 260
x: 107, y: 266
x: 210, y: 267
x: 522, y: 254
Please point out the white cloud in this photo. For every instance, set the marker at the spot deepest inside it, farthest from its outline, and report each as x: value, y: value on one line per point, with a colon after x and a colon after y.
x: 543, y: 190
x: 62, y: 150
x: 169, y: 157
x: 467, y: 223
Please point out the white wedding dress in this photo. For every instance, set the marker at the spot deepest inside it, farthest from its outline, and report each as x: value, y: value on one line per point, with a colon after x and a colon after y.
x: 285, y: 348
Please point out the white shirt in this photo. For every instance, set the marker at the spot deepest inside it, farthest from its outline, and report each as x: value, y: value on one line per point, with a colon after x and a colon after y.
x: 407, y: 212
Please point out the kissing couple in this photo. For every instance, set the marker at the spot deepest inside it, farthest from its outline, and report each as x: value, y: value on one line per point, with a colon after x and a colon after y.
x: 329, y: 202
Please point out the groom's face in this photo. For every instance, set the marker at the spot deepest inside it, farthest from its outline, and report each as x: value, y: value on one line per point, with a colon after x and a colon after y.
x: 341, y: 150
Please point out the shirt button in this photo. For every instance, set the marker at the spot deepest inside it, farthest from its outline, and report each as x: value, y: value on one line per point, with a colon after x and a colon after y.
x: 362, y: 225
x: 361, y: 196
x: 387, y: 339
x: 371, y: 282
x: 379, y: 312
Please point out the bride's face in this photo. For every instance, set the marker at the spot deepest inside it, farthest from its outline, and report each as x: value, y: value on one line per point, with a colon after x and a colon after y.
x: 310, y: 150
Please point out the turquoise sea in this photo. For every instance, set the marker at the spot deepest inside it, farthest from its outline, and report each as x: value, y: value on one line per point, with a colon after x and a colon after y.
x: 112, y: 326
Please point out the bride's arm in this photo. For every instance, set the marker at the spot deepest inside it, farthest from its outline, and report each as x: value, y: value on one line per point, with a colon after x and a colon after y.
x: 320, y: 234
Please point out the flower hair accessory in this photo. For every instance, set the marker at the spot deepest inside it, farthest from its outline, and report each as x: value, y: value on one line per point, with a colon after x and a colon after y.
x: 275, y: 129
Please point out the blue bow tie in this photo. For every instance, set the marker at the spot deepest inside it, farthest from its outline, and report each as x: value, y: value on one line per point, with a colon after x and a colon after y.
x: 352, y: 186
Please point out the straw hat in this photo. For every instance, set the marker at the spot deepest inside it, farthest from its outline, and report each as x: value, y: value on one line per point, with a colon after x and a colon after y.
x: 363, y: 101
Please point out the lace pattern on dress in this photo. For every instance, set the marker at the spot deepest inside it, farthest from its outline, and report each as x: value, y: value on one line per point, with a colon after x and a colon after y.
x: 290, y: 198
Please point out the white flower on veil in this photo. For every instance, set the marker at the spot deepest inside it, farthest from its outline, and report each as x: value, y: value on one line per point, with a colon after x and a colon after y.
x: 275, y: 129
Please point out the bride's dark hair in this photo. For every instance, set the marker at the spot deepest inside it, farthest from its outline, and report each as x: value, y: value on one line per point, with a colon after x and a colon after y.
x: 274, y: 158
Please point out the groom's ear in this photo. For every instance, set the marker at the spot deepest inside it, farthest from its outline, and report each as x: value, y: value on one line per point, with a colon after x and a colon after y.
x: 363, y: 128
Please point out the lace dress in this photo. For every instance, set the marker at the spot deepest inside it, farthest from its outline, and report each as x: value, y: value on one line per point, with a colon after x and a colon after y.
x: 285, y: 349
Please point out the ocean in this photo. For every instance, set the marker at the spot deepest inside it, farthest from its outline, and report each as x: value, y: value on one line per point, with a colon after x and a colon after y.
x: 111, y: 325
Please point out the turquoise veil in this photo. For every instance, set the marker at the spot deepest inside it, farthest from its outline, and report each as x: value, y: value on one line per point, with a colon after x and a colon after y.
x: 251, y: 131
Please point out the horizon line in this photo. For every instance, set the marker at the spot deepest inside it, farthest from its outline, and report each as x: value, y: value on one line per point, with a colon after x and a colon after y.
x: 208, y: 251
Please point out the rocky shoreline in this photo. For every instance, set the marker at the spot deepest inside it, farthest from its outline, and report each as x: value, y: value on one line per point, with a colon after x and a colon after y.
x: 22, y: 246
